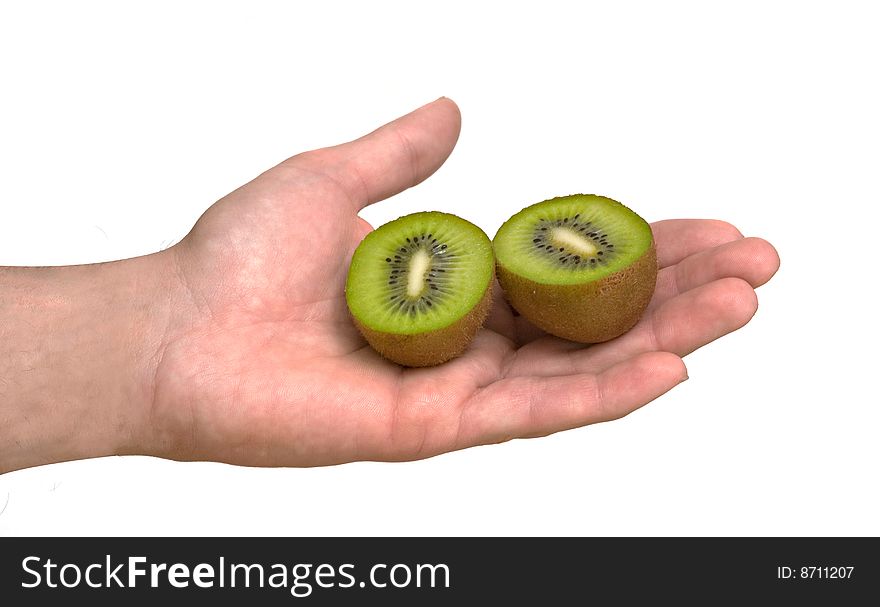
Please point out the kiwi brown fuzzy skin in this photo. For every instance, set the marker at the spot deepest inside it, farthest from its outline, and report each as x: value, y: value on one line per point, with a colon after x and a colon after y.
x: 432, y: 347
x: 590, y: 312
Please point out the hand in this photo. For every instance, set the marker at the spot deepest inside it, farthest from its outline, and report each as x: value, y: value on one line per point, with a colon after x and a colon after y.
x: 236, y: 345
x: 261, y: 365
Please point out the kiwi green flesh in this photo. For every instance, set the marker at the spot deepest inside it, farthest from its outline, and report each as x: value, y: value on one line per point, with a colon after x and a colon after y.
x: 571, y: 240
x: 417, y: 274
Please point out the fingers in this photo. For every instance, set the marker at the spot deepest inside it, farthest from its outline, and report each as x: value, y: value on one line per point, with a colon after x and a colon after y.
x: 392, y: 158
x: 537, y: 406
x: 680, y: 238
x: 681, y: 325
x: 709, y: 251
x: 752, y: 259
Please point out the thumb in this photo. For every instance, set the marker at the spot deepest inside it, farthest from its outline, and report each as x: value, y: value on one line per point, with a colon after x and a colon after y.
x: 392, y: 158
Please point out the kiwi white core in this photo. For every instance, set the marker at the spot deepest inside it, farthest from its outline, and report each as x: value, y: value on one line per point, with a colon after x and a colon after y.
x: 573, y: 241
x: 419, y: 264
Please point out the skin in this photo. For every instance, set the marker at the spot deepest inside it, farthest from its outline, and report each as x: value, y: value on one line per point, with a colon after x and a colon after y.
x: 235, y: 345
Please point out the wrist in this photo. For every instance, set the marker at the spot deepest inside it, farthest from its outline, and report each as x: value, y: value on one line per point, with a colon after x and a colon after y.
x: 78, y: 358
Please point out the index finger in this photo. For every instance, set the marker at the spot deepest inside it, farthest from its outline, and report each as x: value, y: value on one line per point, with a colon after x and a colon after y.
x: 677, y: 239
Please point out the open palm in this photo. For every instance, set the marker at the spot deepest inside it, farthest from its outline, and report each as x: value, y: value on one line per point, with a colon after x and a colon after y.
x: 261, y: 364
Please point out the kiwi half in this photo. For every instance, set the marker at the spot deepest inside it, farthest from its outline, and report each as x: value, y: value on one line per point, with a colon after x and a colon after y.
x: 418, y: 287
x: 581, y: 267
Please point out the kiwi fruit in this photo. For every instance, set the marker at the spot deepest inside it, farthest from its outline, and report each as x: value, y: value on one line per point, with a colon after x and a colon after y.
x: 419, y: 287
x: 581, y: 267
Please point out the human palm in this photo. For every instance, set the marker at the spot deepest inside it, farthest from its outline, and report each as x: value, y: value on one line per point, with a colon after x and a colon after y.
x: 261, y: 365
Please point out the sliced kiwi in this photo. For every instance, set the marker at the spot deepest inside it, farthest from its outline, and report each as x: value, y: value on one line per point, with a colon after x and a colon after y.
x: 581, y: 267
x: 418, y: 287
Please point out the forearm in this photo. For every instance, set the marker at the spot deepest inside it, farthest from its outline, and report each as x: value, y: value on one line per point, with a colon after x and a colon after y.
x: 77, y: 345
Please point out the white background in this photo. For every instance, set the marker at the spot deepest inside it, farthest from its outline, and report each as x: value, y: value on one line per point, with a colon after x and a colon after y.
x: 120, y: 123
